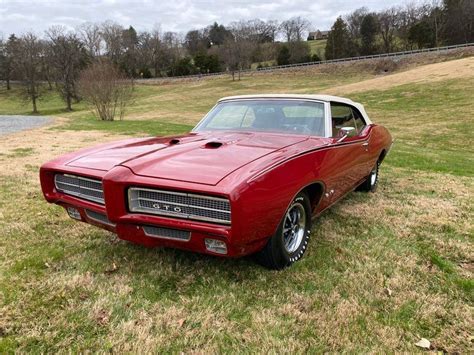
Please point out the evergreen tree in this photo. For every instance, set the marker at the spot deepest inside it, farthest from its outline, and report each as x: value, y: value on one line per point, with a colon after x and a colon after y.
x: 368, y: 32
x: 206, y: 63
x: 283, y: 56
x: 218, y: 34
x: 459, y: 16
x: 128, y: 62
x: 421, y: 34
x: 338, y: 44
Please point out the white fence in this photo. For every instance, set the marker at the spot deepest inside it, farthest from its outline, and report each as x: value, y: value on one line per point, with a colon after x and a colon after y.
x: 341, y: 60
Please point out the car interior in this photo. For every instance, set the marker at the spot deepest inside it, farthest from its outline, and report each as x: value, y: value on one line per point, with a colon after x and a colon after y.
x: 295, y: 119
x: 345, y: 116
x: 292, y: 117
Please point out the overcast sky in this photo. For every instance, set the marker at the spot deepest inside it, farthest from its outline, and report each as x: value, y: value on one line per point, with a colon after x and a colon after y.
x: 173, y: 15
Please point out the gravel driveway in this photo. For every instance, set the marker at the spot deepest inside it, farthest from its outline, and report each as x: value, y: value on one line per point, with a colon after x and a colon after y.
x: 11, y: 124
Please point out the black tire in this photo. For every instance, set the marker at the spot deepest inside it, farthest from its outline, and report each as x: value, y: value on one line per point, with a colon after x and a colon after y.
x: 371, y: 182
x: 291, y: 239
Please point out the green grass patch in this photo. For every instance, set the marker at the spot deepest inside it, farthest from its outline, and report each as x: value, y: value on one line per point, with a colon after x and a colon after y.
x: 147, y: 127
x: 21, y: 152
x: 318, y: 47
x: 382, y: 270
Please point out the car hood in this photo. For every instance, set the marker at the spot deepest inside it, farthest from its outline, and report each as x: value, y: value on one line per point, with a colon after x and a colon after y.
x: 204, y: 158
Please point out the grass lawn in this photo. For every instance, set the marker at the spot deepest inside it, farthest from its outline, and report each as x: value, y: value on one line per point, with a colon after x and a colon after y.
x: 318, y: 47
x: 382, y: 270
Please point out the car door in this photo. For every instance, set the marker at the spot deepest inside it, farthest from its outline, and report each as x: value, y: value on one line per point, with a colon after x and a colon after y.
x: 365, y: 163
x: 348, y: 155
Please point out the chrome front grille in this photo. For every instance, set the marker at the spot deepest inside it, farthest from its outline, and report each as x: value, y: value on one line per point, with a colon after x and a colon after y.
x: 179, y: 204
x: 167, y: 233
x: 85, y: 188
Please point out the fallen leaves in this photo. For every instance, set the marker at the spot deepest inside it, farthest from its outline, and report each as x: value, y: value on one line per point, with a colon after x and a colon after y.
x: 112, y: 269
x: 423, y: 343
x: 102, y: 317
x: 388, y: 291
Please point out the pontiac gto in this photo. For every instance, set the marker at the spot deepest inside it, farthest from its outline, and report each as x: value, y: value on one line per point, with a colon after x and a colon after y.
x: 249, y: 178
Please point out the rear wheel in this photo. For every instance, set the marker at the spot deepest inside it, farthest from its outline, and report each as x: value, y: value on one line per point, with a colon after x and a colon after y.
x: 370, y: 184
x: 290, y: 241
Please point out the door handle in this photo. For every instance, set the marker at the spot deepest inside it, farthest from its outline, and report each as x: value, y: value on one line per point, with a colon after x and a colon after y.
x: 365, y: 144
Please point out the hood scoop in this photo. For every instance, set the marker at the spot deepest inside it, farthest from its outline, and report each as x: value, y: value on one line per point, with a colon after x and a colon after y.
x: 213, y: 145
x: 174, y: 141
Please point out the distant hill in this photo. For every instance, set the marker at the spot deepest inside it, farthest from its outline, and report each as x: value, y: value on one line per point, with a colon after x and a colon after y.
x: 318, y: 47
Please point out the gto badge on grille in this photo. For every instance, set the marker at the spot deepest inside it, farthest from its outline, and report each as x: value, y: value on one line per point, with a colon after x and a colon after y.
x: 167, y: 208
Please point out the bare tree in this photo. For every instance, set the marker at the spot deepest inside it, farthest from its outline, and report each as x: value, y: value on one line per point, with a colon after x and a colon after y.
x: 388, y: 21
x: 171, y: 50
x: 301, y: 27
x: 107, y: 89
x: 112, y: 36
x: 4, y: 63
x: 150, y: 50
x: 27, y: 55
x: 228, y: 52
x: 288, y: 30
x: 68, y: 58
x: 294, y: 29
x: 354, y: 20
x: 273, y: 27
x: 91, y: 36
x: 259, y: 31
x: 409, y: 15
x: 8, y: 50
x: 46, y: 69
x: 237, y: 49
x: 438, y: 20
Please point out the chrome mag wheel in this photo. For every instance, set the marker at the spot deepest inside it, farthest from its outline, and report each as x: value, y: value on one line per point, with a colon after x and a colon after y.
x: 294, y: 227
x: 373, y: 176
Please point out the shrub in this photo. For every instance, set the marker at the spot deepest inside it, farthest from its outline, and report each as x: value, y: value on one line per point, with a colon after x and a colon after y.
x: 107, y: 89
x: 183, y: 66
x: 145, y: 73
x: 283, y: 56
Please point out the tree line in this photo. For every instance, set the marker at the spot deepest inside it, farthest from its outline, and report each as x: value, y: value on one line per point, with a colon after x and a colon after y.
x: 413, y: 26
x: 59, y: 56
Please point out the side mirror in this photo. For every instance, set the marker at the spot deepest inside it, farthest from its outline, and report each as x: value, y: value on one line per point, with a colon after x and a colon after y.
x: 346, y: 132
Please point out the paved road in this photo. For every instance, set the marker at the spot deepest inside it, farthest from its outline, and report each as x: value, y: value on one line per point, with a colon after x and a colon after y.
x: 11, y: 124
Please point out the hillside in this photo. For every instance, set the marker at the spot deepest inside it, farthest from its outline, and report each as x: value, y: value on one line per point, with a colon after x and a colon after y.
x: 318, y: 47
x: 456, y: 69
x: 382, y: 270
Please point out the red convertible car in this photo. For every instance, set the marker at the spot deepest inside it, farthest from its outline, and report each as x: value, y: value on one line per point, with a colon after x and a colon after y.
x: 249, y: 178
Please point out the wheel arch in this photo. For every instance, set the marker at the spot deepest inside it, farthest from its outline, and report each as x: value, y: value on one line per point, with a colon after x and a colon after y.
x: 315, y: 192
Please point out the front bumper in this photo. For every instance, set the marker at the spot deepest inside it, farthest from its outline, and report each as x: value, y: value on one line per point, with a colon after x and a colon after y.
x: 115, y: 217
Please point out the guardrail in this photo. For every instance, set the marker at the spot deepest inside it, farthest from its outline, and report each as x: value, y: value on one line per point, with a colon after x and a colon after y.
x: 321, y: 62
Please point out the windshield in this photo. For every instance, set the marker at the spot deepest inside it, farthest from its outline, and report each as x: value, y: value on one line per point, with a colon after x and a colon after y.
x: 284, y: 116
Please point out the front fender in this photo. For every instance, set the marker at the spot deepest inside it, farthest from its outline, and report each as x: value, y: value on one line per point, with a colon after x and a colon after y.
x: 262, y: 204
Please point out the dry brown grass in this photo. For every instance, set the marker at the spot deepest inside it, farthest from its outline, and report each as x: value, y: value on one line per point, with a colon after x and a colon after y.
x: 382, y: 270
x: 456, y: 69
x: 45, y: 144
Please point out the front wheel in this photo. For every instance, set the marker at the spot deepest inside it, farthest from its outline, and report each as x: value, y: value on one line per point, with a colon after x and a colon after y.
x: 290, y: 241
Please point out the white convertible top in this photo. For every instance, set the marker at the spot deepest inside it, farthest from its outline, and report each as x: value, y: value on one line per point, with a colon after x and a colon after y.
x: 325, y: 98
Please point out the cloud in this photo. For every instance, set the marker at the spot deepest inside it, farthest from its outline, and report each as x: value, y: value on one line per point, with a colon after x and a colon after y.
x: 179, y: 16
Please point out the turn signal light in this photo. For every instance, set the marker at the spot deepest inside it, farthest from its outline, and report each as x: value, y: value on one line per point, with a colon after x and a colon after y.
x: 216, y: 246
x: 74, y: 213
